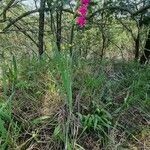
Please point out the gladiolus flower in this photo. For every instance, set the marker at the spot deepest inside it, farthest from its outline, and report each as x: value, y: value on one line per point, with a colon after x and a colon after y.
x: 85, y: 2
x: 82, y: 10
x: 80, y: 20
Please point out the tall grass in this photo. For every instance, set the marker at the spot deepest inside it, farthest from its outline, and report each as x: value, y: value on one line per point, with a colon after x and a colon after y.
x: 8, y: 128
x: 63, y: 62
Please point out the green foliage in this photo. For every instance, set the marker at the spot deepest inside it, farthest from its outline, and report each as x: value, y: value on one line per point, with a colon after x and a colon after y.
x: 136, y: 79
x: 10, y: 74
x: 98, y: 119
x: 9, y: 130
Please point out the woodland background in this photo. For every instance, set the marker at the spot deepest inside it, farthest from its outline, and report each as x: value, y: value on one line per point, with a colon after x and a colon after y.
x: 73, y: 88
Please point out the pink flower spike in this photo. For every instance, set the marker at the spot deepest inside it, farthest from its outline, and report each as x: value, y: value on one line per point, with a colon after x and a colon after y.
x: 82, y: 10
x: 85, y: 2
x: 80, y: 20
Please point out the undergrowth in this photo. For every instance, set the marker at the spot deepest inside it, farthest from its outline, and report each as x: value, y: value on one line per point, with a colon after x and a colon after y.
x: 56, y: 103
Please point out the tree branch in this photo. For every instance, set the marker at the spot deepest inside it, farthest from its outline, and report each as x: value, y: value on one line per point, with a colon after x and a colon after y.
x: 141, y: 10
x: 29, y: 13
x: 7, y: 8
x: 109, y: 8
x: 26, y: 34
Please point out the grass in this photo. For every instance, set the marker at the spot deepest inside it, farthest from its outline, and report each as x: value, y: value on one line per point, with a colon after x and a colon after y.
x: 57, y: 103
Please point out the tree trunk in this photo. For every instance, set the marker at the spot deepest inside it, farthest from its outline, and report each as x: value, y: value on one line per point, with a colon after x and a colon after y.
x: 103, y: 44
x: 102, y: 29
x: 41, y: 27
x: 146, y: 54
x: 137, y: 44
x: 58, y: 27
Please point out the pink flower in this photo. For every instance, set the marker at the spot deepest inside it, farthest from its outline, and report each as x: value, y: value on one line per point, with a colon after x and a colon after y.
x: 80, y: 20
x: 82, y: 10
x: 85, y: 2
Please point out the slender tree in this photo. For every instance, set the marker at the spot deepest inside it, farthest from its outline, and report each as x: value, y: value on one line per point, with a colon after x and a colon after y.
x: 58, y: 25
x: 41, y: 27
x: 146, y: 53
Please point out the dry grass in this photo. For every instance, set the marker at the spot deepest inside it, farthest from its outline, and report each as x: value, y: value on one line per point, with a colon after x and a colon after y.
x: 142, y: 140
x: 50, y: 102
